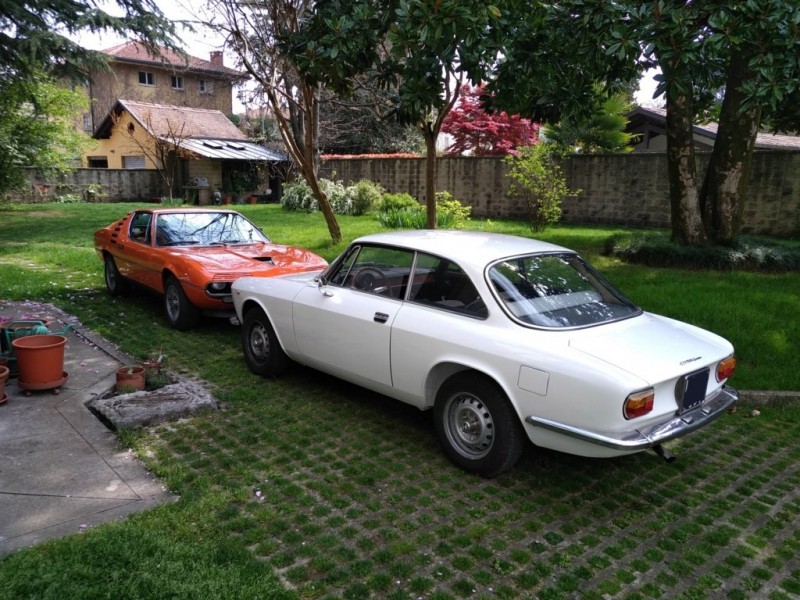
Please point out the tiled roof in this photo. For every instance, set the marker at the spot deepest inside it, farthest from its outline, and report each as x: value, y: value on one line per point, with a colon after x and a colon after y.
x: 162, y: 120
x: 139, y: 53
x: 764, y: 140
x: 207, y: 133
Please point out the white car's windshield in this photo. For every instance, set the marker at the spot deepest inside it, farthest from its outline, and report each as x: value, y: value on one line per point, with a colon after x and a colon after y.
x: 206, y: 229
x: 557, y: 290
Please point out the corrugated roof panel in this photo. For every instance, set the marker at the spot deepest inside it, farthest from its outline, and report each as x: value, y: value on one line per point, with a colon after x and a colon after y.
x: 231, y: 150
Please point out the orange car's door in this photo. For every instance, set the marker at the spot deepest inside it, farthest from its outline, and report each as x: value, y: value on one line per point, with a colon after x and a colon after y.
x: 137, y: 257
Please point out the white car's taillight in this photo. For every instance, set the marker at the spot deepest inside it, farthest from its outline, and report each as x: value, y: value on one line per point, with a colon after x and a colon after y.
x: 726, y: 368
x: 638, y: 404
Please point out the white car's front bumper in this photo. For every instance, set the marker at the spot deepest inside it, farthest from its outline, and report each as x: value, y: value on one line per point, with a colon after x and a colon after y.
x: 642, y: 439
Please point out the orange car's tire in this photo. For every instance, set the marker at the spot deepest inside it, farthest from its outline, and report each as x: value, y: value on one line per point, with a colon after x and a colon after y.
x: 116, y: 284
x: 262, y: 350
x: 477, y: 427
x: 180, y: 312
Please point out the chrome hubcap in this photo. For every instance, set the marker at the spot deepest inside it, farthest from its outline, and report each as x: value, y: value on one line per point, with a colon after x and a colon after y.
x: 259, y: 342
x: 469, y: 426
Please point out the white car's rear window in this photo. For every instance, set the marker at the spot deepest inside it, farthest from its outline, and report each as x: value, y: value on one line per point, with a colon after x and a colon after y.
x: 556, y: 290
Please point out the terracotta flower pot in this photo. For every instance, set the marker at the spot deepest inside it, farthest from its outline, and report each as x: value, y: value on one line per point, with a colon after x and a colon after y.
x: 130, y: 377
x: 40, y: 360
x: 4, y: 373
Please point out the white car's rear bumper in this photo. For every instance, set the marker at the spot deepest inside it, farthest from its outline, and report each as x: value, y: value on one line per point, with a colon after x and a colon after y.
x: 636, y: 439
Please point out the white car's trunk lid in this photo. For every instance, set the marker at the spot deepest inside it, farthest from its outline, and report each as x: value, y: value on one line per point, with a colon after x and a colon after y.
x: 650, y: 347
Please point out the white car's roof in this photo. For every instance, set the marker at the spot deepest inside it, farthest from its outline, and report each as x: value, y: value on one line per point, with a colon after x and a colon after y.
x: 475, y: 247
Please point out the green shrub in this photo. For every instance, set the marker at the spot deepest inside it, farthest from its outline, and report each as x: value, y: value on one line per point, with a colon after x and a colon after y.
x: 366, y: 195
x: 357, y: 199
x: 408, y: 217
x: 654, y: 249
x: 69, y: 199
x: 397, y: 201
x: 297, y: 196
x: 414, y: 217
x: 538, y: 179
x: 458, y: 214
x: 338, y: 196
x: 171, y: 201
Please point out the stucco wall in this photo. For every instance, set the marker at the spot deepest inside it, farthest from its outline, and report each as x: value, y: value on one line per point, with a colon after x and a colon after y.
x: 123, y: 82
x: 630, y: 190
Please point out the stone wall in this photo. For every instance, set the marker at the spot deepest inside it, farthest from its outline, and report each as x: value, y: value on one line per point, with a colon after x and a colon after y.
x: 116, y: 185
x: 617, y: 189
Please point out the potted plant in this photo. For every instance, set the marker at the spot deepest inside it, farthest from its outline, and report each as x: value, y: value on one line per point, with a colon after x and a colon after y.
x: 130, y: 378
x: 239, y: 182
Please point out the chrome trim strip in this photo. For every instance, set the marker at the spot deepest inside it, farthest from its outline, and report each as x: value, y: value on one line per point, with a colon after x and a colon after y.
x: 656, y: 434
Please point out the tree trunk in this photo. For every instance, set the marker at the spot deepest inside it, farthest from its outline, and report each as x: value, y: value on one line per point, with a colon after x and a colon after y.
x: 311, y: 159
x: 724, y: 191
x: 687, y: 224
x: 430, y: 173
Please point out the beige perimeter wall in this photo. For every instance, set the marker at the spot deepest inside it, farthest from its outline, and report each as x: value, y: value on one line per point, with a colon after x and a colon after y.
x: 630, y: 190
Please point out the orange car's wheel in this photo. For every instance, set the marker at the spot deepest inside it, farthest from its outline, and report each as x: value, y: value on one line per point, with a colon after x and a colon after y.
x: 116, y: 284
x: 181, y: 313
x: 262, y: 350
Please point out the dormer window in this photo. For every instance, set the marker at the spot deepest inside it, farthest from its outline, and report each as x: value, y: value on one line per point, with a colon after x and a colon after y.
x: 177, y: 82
x: 146, y: 78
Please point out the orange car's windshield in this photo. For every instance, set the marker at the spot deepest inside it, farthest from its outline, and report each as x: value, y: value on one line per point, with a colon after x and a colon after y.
x: 206, y: 229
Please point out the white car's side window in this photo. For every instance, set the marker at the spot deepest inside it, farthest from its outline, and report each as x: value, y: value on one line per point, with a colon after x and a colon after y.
x: 443, y: 284
x: 377, y: 270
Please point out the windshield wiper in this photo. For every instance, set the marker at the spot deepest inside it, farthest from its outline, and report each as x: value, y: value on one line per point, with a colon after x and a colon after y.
x: 180, y: 243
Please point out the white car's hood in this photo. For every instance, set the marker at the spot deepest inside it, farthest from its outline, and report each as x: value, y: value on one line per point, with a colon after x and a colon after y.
x: 651, y: 347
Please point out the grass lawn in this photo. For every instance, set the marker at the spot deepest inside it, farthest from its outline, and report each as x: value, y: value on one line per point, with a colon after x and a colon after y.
x: 307, y: 487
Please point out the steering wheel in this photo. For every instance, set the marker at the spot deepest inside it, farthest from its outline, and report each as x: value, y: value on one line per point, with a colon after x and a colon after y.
x: 370, y: 279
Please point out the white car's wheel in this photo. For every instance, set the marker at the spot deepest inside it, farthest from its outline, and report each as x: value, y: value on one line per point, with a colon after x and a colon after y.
x: 477, y: 425
x: 116, y: 284
x: 181, y: 313
x: 262, y: 350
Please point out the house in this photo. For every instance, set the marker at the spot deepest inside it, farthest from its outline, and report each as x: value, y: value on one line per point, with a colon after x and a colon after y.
x: 136, y: 73
x: 189, y: 145
x: 650, y: 124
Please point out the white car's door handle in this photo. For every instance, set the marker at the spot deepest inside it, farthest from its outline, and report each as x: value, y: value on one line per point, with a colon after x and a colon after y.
x: 380, y: 317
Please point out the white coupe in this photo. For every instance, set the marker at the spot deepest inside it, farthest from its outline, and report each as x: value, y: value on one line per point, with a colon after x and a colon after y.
x: 503, y: 337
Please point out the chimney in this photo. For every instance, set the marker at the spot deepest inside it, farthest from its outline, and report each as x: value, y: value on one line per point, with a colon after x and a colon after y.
x: 216, y: 58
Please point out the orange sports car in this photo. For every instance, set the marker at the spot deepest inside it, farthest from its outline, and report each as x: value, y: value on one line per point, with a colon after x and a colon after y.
x: 192, y: 256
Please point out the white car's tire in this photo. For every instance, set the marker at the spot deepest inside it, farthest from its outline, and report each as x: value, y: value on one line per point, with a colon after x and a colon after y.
x: 262, y: 350
x: 477, y: 426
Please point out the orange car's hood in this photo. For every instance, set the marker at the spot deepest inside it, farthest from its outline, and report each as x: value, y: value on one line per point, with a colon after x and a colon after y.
x: 255, y: 259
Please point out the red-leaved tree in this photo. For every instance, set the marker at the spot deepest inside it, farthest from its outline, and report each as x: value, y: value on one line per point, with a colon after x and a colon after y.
x: 481, y: 133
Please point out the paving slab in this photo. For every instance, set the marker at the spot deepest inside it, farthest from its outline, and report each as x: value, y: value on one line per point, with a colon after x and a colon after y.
x: 62, y: 470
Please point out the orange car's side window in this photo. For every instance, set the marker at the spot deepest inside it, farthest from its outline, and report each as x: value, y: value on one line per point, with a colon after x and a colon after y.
x: 140, y: 228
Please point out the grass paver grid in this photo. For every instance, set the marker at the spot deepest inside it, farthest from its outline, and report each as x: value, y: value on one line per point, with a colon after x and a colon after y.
x: 346, y: 495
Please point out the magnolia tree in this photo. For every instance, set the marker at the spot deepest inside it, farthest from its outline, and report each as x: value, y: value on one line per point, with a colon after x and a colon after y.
x: 747, y: 49
x: 479, y: 132
x: 421, y: 52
